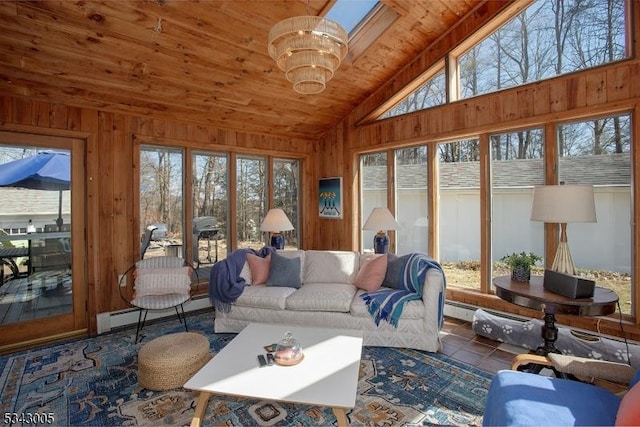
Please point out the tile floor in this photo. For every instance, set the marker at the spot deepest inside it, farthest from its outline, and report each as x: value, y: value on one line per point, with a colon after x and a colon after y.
x: 460, y: 342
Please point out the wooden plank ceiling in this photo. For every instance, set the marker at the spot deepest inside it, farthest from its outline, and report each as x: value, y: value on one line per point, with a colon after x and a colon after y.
x: 202, y: 62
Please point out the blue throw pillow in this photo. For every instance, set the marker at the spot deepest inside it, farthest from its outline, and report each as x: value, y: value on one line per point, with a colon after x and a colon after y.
x: 284, y: 271
x: 395, y: 268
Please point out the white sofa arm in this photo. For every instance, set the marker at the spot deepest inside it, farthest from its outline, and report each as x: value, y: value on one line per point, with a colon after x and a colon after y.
x: 433, y: 297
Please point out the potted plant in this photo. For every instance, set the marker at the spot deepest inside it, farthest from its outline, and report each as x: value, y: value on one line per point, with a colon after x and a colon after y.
x: 520, y: 264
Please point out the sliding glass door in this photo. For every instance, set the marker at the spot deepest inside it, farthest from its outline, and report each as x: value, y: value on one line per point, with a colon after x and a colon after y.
x: 41, y: 238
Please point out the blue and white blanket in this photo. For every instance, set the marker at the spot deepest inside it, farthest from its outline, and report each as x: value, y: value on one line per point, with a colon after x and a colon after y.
x: 225, y: 283
x: 387, y: 304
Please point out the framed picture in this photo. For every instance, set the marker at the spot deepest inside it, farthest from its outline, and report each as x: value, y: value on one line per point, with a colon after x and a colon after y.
x: 330, y: 198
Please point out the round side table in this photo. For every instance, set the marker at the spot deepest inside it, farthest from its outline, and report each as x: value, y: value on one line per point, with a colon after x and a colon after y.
x: 533, y: 295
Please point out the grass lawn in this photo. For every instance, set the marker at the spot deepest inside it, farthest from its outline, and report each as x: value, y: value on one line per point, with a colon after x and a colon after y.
x: 466, y: 274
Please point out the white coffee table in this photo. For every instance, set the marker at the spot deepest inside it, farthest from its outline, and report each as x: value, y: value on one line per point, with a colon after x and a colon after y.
x: 327, y: 376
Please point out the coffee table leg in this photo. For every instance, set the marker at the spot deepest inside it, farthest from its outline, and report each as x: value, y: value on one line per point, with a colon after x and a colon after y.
x: 201, y: 407
x: 341, y: 417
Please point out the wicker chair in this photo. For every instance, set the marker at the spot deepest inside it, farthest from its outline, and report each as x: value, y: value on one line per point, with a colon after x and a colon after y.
x: 158, y: 283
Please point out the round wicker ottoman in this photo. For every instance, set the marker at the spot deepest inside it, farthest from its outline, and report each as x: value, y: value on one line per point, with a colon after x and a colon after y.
x: 170, y: 361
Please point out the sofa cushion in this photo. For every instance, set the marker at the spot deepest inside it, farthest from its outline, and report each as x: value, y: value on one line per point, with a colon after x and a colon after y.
x: 284, y: 271
x: 411, y: 310
x: 322, y: 297
x: 395, y: 269
x: 264, y: 297
x: 330, y: 266
x: 259, y: 268
x: 162, y: 281
x: 245, y: 273
x: 295, y: 254
x: 372, y: 272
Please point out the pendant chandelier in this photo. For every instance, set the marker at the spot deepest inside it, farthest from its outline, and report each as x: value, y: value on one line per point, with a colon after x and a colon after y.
x: 309, y: 49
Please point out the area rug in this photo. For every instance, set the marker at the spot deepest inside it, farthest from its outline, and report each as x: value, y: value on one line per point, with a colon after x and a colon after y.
x: 93, y: 382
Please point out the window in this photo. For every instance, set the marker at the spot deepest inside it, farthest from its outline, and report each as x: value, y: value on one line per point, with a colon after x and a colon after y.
x: 411, y: 200
x: 286, y: 185
x: 350, y: 13
x: 531, y: 48
x: 210, y: 200
x: 598, y: 152
x: 373, y: 175
x: 430, y: 94
x: 459, y: 225
x: 517, y: 165
x: 251, y: 201
x: 161, y: 199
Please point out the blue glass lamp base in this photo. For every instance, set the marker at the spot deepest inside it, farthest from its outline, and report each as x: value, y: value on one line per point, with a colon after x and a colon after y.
x: 277, y: 241
x: 380, y: 243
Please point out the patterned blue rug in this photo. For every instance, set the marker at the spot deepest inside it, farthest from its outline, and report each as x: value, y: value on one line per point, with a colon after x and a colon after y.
x: 92, y: 382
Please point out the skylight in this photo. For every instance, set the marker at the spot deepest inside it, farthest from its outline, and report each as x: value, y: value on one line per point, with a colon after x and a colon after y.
x: 350, y: 13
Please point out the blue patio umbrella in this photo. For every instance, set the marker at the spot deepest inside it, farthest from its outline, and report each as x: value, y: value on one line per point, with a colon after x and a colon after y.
x: 43, y: 171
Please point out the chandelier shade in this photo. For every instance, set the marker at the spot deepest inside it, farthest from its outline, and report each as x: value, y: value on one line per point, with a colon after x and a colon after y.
x: 309, y: 49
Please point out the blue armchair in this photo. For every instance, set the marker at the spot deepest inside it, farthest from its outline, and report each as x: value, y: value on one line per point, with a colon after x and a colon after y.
x: 527, y: 399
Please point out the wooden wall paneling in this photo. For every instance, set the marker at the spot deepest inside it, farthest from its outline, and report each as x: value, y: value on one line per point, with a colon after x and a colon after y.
x: 21, y: 108
x: 59, y: 114
x: 576, y: 90
x: 96, y: 303
x: 391, y: 196
x: 635, y: 223
x: 307, y: 199
x: 78, y: 240
x: 596, y: 87
x: 558, y: 102
x: 333, y: 233
x: 433, y: 200
x: 486, y: 259
x: 40, y: 114
x: 526, y: 100
x: 187, y: 185
x: 232, y: 237
x: 354, y: 200
x: 110, y: 248
x: 119, y: 150
x: 618, y: 82
x: 5, y: 107
x: 551, y: 172
x: 541, y: 100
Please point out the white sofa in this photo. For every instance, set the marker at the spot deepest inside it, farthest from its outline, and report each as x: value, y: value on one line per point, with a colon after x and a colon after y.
x: 328, y: 298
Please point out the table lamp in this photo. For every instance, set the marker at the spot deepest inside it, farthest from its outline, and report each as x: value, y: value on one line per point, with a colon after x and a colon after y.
x: 380, y: 219
x: 275, y: 222
x: 563, y: 204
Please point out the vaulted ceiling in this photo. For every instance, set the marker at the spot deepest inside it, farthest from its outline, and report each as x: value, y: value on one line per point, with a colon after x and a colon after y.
x: 203, y: 62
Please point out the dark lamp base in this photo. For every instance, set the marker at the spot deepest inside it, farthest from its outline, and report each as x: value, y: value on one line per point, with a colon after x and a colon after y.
x: 277, y: 241
x: 380, y: 243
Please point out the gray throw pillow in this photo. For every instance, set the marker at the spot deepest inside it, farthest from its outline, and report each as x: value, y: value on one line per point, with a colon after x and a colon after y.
x: 284, y: 271
x: 395, y: 267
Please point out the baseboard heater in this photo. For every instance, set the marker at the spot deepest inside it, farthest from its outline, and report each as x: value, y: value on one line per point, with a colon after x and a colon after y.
x: 117, y: 319
x: 465, y: 312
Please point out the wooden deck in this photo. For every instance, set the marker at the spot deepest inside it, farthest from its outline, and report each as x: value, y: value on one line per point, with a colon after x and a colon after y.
x: 39, y: 295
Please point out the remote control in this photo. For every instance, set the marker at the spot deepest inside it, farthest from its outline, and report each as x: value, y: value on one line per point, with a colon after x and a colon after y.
x: 262, y: 361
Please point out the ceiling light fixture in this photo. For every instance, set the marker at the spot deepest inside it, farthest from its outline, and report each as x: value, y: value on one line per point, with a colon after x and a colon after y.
x: 309, y: 49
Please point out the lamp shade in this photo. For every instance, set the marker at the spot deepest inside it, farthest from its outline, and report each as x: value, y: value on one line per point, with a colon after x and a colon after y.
x: 276, y: 221
x: 563, y: 203
x: 380, y: 219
